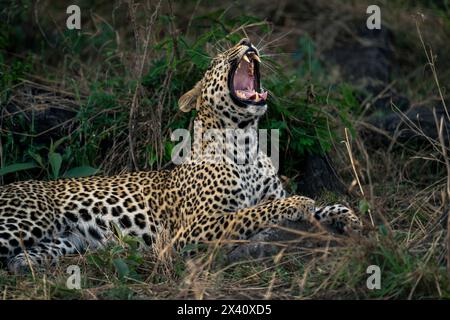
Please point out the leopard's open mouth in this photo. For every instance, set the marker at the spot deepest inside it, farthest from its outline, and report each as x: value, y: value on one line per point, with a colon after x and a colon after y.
x: 244, y: 80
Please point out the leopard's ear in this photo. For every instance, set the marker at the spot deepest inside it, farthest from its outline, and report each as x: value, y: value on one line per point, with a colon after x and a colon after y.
x: 190, y: 99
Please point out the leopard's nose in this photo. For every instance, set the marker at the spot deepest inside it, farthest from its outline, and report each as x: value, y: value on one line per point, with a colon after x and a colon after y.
x: 245, y: 42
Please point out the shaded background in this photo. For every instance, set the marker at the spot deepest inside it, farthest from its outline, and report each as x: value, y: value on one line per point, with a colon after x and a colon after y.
x: 103, y: 100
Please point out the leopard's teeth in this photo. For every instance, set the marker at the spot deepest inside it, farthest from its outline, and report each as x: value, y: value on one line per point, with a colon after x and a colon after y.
x: 246, y: 58
x: 255, y: 56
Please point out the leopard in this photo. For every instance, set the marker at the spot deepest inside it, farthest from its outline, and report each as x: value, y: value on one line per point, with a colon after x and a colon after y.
x: 199, y: 201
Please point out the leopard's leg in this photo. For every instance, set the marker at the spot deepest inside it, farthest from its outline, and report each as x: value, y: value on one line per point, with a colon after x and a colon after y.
x: 343, y: 219
x: 247, y: 222
x: 45, y: 253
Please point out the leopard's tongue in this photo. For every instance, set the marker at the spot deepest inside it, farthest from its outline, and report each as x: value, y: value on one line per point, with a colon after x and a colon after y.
x: 244, y: 83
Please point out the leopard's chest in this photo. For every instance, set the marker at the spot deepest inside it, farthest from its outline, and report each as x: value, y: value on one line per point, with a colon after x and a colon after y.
x: 258, y: 180
x: 224, y: 186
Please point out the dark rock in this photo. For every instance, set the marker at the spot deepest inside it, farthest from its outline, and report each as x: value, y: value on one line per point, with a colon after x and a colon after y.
x: 318, y: 175
x: 48, y: 110
x: 414, y: 124
x: 292, y: 237
x: 367, y: 56
x: 366, y: 61
x: 269, y: 242
x: 381, y: 98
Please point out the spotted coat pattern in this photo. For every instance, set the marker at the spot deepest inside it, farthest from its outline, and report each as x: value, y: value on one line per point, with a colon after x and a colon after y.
x: 198, y: 201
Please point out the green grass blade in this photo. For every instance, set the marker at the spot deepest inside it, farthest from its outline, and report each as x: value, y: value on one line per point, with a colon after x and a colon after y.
x: 17, y: 167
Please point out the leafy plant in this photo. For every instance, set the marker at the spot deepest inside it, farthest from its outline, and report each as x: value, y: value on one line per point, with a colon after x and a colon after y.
x: 123, y: 258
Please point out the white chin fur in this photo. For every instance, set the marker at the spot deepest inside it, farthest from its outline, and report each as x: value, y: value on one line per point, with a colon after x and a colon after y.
x: 256, y: 110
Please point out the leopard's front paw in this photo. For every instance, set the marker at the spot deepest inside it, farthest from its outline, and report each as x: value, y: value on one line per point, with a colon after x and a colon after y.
x: 349, y: 223
x: 343, y: 219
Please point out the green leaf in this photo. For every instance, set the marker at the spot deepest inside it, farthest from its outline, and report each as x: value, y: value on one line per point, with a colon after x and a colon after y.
x: 83, y: 171
x: 55, y: 160
x: 121, y: 268
x: 58, y: 142
x: 117, y: 250
x: 17, y: 167
x: 133, y: 242
x: 37, y: 157
x: 364, y: 206
x: 383, y: 230
x: 116, y: 230
x: 95, y: 260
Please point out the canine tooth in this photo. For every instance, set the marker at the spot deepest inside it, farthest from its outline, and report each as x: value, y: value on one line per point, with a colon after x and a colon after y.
x: 263, y: 95
x: 246, y: 58
x: 255, y: 56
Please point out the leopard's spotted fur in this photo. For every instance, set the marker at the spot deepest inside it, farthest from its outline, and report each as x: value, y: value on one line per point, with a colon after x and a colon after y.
x: 197, y: 201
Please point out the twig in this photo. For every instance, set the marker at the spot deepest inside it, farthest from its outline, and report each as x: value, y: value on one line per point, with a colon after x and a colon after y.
x: 442, y: 142
x: 447, y: 165
x: 352, y: 161
x: 448, y: 245
x: 433, y: 70
x: 140, y: 66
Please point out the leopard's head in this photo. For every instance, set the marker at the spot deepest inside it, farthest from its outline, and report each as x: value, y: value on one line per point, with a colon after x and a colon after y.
x: 230, y: 91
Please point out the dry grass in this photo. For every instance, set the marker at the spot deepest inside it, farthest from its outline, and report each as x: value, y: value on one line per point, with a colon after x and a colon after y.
x: 405, y: 193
